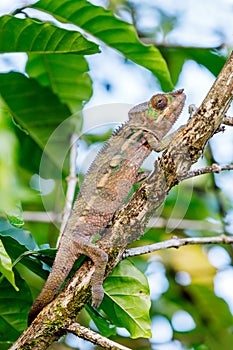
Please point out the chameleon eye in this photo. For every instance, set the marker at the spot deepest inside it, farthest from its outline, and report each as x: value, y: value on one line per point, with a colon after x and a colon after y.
x: 159, y: 102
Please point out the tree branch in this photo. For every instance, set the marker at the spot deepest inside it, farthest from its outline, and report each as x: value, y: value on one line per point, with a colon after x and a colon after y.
x: 214, y: 168
x: 130, y: 221
x: 88, y: 334
x: 176, y: 242
x: 227, y: 120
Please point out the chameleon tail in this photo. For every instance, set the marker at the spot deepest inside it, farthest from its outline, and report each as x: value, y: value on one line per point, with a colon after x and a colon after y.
x: 60, y: 270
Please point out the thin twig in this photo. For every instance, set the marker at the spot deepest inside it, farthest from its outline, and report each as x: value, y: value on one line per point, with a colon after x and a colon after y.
x: 184, y: 224
x: 96, y: 338
x: 41, y: 216
x: 214, y: 168
x: 227, y: 120
x: 71, y: 184
x: 176, y: 242
x: 151, y: 41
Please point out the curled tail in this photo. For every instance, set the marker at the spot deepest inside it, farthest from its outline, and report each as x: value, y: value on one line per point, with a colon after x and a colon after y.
x: 62, y: 265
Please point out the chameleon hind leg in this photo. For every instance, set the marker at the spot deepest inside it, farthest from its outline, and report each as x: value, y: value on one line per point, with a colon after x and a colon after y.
x: 100, y: 259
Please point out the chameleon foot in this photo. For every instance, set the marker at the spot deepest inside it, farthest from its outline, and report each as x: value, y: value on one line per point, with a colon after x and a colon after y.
x: 97, y: 295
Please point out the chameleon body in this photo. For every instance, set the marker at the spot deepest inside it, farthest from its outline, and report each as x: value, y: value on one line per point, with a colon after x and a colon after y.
x: 105, y: 187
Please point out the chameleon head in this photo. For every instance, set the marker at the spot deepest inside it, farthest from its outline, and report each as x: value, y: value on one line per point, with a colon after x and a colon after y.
x: 162, y: 110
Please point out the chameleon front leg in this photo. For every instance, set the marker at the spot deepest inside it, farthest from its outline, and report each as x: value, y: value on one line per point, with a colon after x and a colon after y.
x: 160, y: 145
x: 100, y: 259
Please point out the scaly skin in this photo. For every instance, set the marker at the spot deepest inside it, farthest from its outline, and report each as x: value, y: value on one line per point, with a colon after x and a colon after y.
x: 106, y: 186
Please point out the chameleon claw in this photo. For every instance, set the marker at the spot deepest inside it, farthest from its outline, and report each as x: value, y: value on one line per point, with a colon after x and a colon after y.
x: 97, y: 296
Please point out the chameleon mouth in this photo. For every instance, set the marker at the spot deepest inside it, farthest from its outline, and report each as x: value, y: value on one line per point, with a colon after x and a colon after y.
x: 175, y: 108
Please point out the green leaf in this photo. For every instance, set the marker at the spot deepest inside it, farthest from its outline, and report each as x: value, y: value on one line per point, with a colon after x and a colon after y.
x: 104, y: 326
x: 17, y: 242
x: 211, y: 314
x: 127, y: 299
x: 93, y: 138
x: 214, y: 317
x: 35, y: 108
x: 40, y: 113
x: 28, y: 35
x: 18, y: 252
x: 13, y: 304
x: 66, y: 75
x: 219, y: 315
x: 21, y: 236
x: 12, y: 189
x: 211, y: 59
x: 200, y: 347
x: 45, y: 256
x: 15, y: 215
x: 6, y: 266
x: 103, y: 25
x: 5, y: 345
x: 185, y: 201
x: 175, y: 58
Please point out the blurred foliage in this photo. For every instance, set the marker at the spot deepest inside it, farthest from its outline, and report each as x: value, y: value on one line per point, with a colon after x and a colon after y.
x: 35, y: 129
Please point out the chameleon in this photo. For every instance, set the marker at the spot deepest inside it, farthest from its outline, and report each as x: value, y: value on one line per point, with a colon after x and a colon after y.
x: 106, y: 186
